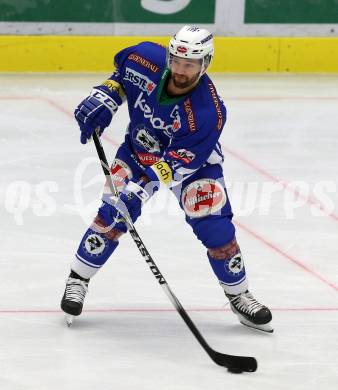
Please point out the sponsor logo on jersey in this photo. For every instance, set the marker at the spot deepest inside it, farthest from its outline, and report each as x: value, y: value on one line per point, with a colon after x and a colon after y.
x: 140, y: 80
x: 182, y: 154
x: 114, y: 86
x: 162, y: 171
x: 148, y: 112
x: 146, y: 140
x: 120, y: 174
x: 147, y: 158
x: 143, y: 62
x: 94, y: 244
x: 190, y: 115
x: 203, y: 197
x: 217, y: 105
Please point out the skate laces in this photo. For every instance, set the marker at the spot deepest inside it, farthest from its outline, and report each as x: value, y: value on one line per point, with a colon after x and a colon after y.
x: 76, y: 290
x: 245, y: 302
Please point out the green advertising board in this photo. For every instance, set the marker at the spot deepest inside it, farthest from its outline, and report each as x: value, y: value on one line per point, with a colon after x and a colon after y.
x: 108, y: 11
x: 291, y: 11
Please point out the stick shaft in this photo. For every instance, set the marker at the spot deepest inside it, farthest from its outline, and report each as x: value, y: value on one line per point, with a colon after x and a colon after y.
x: 221, y: 359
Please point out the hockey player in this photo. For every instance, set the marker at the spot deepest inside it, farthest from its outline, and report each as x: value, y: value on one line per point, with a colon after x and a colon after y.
x: 176, y: 119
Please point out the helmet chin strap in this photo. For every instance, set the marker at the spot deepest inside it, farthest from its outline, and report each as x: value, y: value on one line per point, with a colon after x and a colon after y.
x: 204, y: 68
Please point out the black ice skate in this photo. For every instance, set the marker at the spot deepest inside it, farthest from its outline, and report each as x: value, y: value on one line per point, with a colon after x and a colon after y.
x: 250, y: 312
x: 73, y: 297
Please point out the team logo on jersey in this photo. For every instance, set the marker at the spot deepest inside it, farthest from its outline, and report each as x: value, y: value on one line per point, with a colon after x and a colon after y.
x: 120, y: 174
x: 140, y: 80
x: 182, y: 154
x: 203, y: 197
x: 146, y: 140
x: 236, y: 264
x: 190, y: 115
x: 94, y: 244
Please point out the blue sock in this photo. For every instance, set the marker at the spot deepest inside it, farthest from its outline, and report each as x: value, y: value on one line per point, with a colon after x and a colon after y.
x: 230, y: 273
x: 94, y: 250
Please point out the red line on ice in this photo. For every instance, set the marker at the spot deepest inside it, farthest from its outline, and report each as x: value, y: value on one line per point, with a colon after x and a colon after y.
x: 308, y: 199
x: 71, y: 115
x: 54, y: 104
x: 286, y: 255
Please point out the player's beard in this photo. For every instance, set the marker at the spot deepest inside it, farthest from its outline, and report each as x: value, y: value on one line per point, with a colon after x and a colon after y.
x: 182, y: 82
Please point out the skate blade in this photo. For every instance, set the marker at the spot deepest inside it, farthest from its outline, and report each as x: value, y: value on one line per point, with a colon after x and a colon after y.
x: 263, y: 328
x: 69, y: 320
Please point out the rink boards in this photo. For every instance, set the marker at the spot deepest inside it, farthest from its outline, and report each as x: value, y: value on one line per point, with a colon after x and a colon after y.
x: 233, y: 54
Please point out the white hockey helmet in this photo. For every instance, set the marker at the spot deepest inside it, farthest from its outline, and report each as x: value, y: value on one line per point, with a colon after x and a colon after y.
x: 194, y: 43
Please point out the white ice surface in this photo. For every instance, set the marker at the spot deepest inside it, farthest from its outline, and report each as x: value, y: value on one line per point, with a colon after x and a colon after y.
x: 129, y: 337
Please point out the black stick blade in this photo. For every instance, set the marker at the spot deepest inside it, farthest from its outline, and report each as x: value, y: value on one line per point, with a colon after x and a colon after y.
x: 235, y: 364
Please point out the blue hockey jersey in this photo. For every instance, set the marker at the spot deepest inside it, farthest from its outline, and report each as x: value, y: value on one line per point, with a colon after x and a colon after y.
x: 181, y: 131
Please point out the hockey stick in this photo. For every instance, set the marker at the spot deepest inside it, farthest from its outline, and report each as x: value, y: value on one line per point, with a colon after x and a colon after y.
x: 236, y: 364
